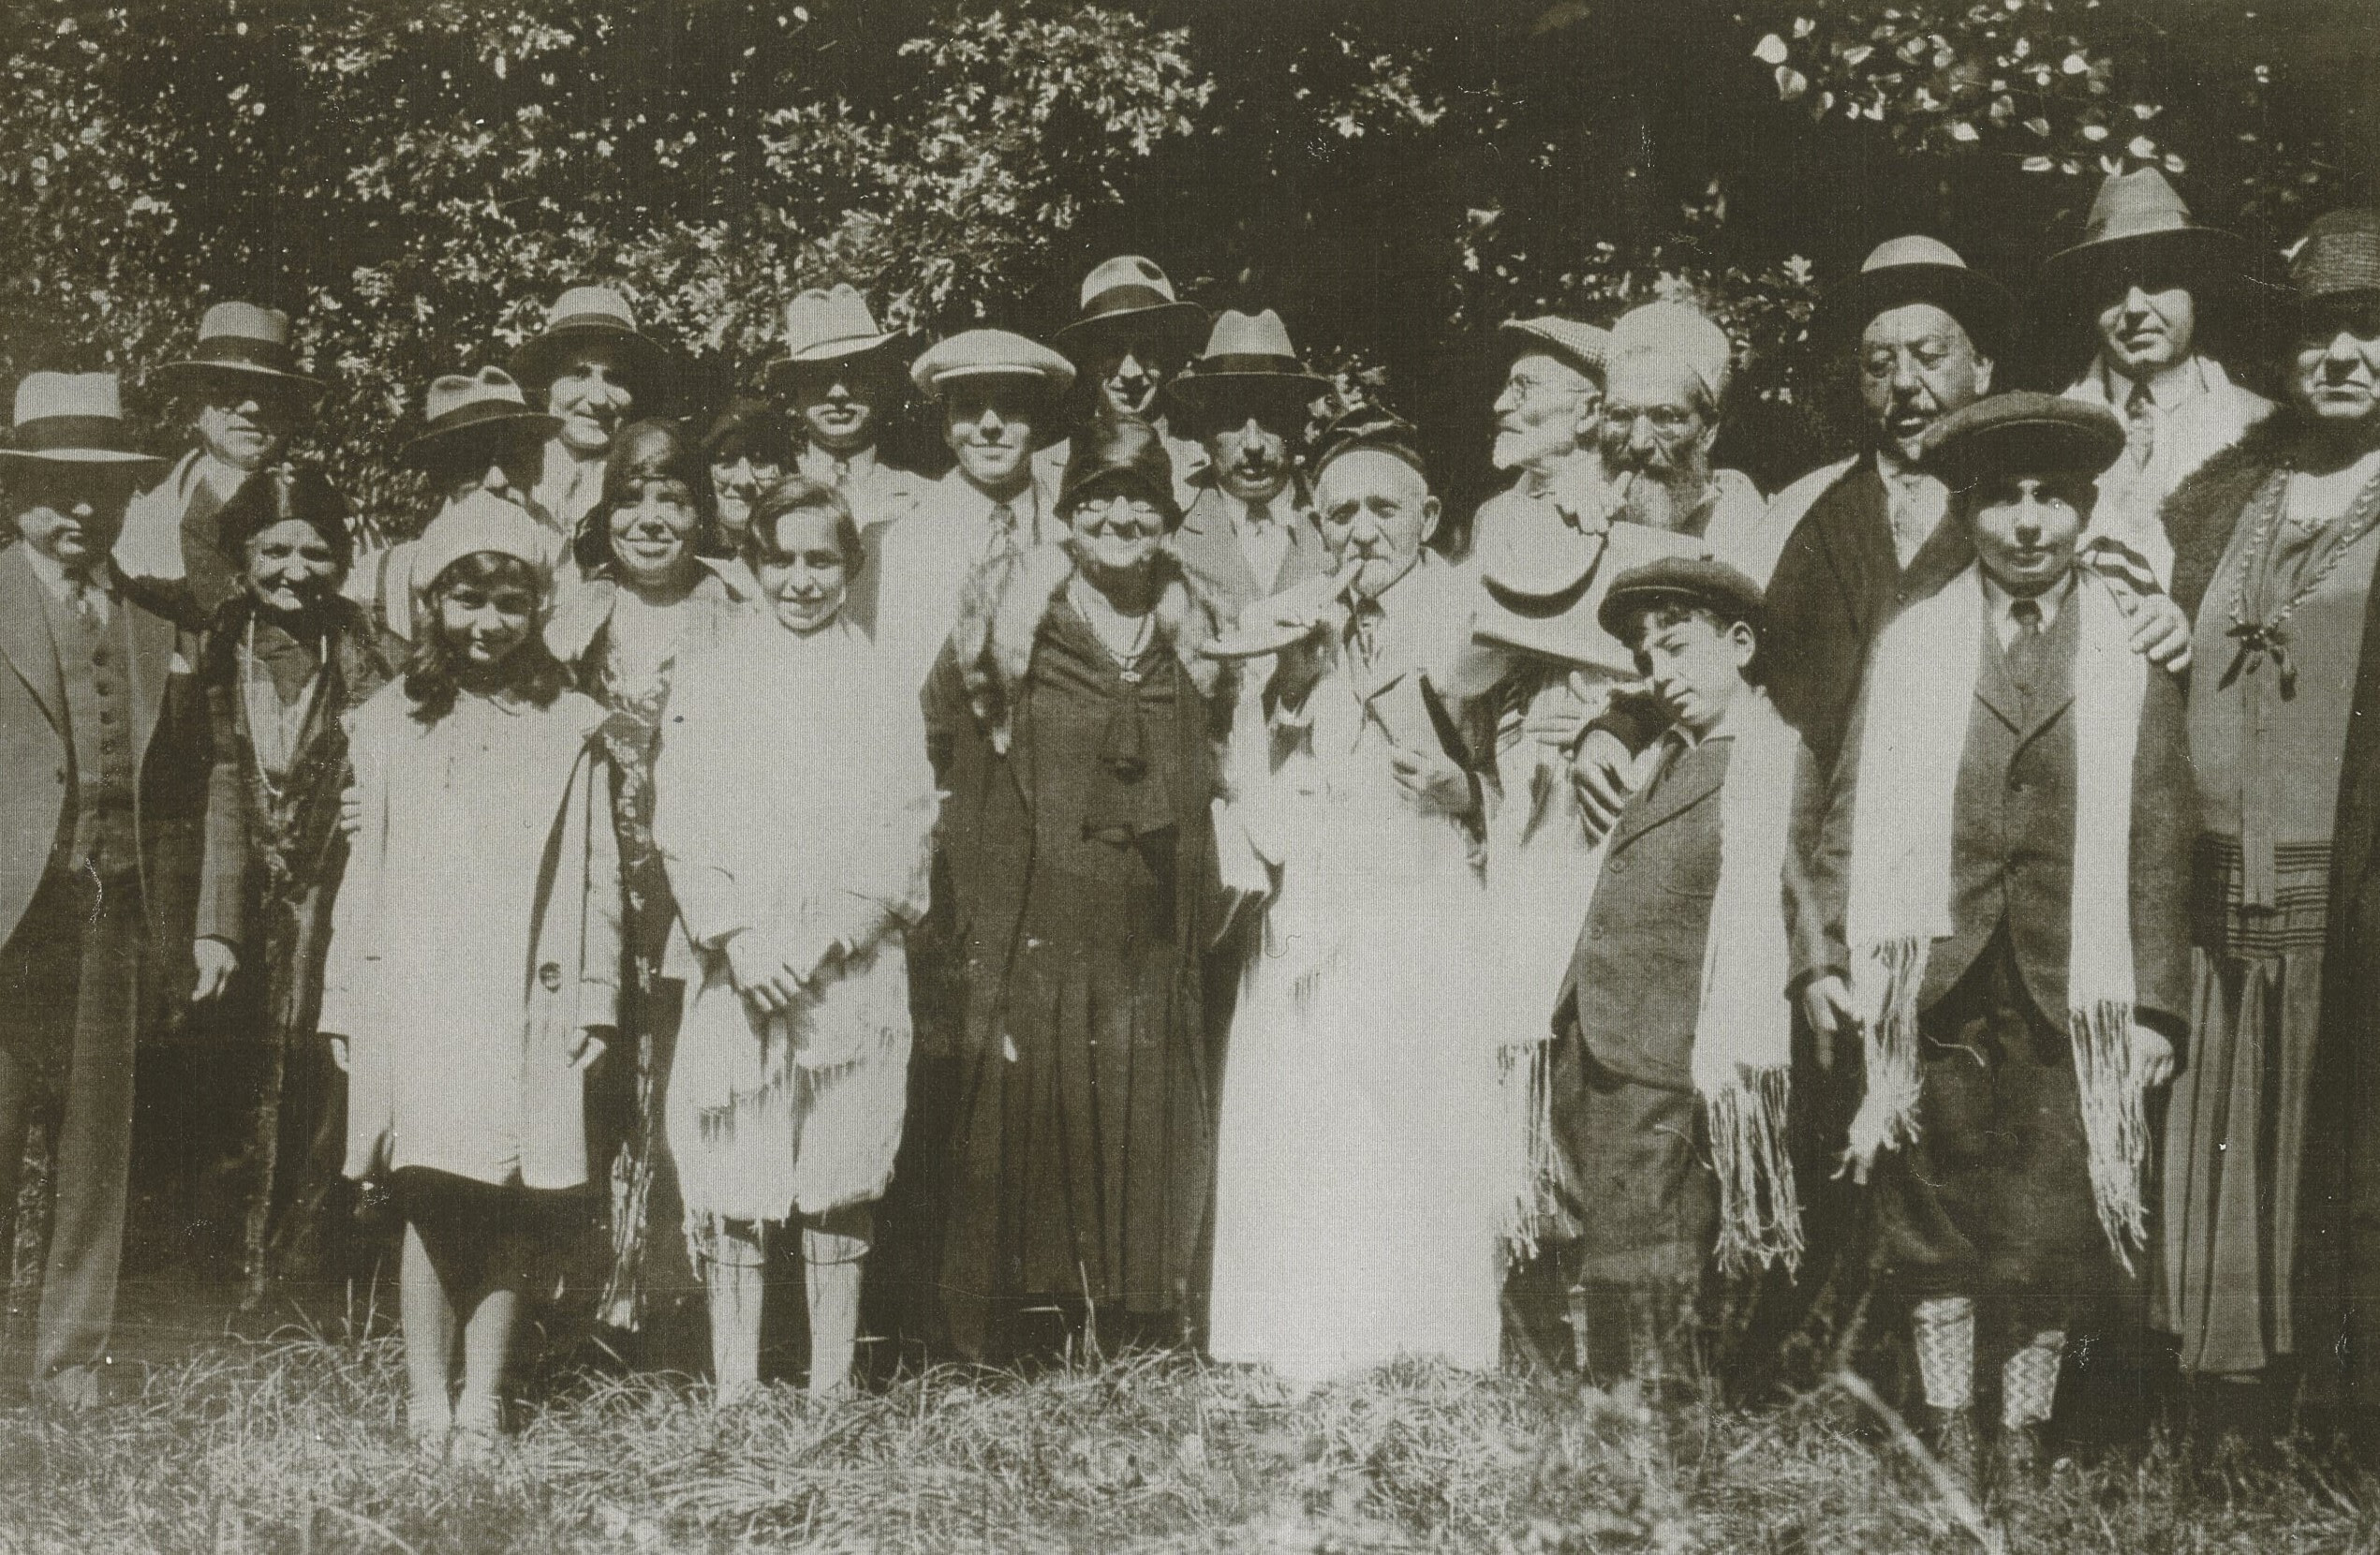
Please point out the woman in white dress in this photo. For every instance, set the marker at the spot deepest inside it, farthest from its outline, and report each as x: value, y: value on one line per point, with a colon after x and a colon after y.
x: 475, y: 946
x: 794, y: 809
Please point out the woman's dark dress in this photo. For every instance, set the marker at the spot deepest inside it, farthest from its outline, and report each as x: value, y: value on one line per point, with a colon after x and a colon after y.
x: 295, y: 854
x: 1082, y: 864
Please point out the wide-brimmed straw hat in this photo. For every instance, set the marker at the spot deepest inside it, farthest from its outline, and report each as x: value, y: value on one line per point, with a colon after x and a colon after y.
x: 989, y: 353
x: 1247, y: 354
x: 2022, y: 432
x: 1130, y: 295
x: 462, y: 408
x: 582, y: 316
x: 72, y: 419
x: 2140, y: 226
x: 1902, y: 271
x: 825, y: 326
x: 239, y: 342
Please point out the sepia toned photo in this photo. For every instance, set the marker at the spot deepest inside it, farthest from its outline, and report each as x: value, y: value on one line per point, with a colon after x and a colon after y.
x: 1176, y: 776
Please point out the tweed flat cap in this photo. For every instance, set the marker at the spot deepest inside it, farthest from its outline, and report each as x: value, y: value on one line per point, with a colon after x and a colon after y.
x: 1702, y: 581
x: 2022, y: 433
x: 1369, y: 426
x: 1585, y: 346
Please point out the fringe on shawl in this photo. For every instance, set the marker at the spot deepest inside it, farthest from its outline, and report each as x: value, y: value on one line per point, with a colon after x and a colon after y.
x: 1759, y: 1210
x: 1003, y: 605
x: 2115, y: 1122
x: 1525, y: 1083
x: 1887, y: 1114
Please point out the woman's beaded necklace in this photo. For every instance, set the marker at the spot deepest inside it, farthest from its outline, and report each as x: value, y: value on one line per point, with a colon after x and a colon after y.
x: 2267, y: 636
x: 1127, y: 657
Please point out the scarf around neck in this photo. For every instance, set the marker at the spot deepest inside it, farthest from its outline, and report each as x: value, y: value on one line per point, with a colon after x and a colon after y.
x: 1900, y: 867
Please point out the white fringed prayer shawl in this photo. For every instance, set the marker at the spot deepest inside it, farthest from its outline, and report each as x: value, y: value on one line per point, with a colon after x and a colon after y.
x: 1900, y: 901
x: 1743, y: 1031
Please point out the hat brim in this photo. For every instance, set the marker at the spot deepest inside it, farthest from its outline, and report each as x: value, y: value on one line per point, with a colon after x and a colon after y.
x: 2076, y: 281
x: 2021, y: 448
x: 1515, y: 339
x: 1192, y: 390
x: 1623, y: 604
x: 436, y: 445
x: 1042, y: 380
x: 785, y: 367
x: 1182, y: 324
x: 176, y: 378
x: 87, y: 456
x: 537, y: 361
x: 1985, y: 309
x: 1257, y: 640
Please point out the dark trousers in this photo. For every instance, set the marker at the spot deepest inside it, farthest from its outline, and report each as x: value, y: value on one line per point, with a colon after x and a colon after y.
x: 69, y: 1009
x: 1993, y: 1201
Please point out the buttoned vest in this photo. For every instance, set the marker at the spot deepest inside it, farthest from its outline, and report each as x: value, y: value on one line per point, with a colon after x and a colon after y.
x: 92, y: 668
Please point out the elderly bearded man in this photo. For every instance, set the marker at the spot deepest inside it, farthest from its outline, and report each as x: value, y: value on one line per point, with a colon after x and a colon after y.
x: 1374, y: 1237
x: 1250, y: 533
x: 245, y: 397
x: 1129, y: 341
x: 1665, y: 380
x: 1862, y: 536
x: 1547, y: 416
x: 2138, y: 282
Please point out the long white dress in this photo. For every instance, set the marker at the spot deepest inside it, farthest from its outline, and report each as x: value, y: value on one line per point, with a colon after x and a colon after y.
x: 1358, y: 1150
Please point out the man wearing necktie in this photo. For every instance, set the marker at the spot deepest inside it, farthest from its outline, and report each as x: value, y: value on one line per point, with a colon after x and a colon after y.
x: 1250, y: 532
x: 92, y: 768
x: 2138, y: 287
x: 841, y: 375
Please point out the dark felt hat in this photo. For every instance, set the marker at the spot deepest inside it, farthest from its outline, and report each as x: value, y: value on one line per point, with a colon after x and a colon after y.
x: 1902, y: 271
x: 1120, y: 453
x: 1247, y: 355
x: 1702, y: 581
x: 1369, y: 426
x: 2023, y: 432
x: 2139, y: 226
x: 2339, y: 257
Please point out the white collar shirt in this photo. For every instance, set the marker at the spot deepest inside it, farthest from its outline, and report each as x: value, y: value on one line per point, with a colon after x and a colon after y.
x: 1915, y: 502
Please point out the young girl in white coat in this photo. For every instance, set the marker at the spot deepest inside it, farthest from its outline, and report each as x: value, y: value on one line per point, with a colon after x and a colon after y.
x: 474, y: 955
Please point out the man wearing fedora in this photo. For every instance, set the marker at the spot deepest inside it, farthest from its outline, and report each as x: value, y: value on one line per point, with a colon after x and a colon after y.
x: 1128, y: 341
x: 1251, y: 532
x: 95, y: 766
x: 841, y: 376
x: 995, y: 390
x: 2140, y: 283
x: 478, y: 432
x: 245, y: 396
x: 594, y: 371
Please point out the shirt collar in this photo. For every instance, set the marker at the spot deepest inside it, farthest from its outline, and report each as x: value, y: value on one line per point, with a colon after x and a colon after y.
x: 2168, y: 391
x: 1896, y: 470
x: 53, y: 576
x: 2001, y: 605
x: 977, y: 504
x: 819, y: 464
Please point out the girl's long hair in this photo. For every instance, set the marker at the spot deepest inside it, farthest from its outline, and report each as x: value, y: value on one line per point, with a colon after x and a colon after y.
x: 434, y: 673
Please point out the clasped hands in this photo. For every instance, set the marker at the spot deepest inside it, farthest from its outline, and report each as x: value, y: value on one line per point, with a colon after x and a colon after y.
x: 769, y: 979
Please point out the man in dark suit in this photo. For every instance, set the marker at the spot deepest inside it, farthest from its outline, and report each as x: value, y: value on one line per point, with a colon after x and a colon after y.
x: 2038, y: 984
x: 1250, y: 533
x: 89, y: 778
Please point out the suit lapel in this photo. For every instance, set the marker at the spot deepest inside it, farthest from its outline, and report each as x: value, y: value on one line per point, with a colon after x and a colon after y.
x: 1995, y: 686
x: 153, y: 637
x: 1213, y: 551
x: 2056, y: 665
x: 25, y: 634
x: 1667, y: 801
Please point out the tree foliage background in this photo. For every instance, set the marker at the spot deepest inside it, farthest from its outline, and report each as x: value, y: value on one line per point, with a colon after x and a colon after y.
x: 415, y: 179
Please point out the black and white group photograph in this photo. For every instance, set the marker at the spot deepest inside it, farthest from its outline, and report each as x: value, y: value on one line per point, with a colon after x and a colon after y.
x: 1545, y: 777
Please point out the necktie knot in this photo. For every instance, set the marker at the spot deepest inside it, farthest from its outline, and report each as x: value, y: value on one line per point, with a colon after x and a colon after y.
x: 2027, y: 615
x: 2140, y: 425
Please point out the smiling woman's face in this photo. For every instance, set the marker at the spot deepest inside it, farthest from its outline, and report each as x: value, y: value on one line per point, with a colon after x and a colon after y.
x: 653, y: 531
x: 291, y: 569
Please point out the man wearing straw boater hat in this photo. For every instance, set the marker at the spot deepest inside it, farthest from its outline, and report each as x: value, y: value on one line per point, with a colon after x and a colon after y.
x: 2002, y: 876
x: 245, y: 397
x: 97, y: 768
x: 478, y: 434
x: 2141, y: 284
x: 1128, y: 341
x: 841, y: 376
x: 1250, y: 533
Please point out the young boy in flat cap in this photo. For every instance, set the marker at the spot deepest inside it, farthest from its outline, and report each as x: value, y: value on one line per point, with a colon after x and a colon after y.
x: 1672, y: 1028
x: 2004, y: 875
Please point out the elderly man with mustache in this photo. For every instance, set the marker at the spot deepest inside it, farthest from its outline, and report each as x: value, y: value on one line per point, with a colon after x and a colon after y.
x: 1668, y: 372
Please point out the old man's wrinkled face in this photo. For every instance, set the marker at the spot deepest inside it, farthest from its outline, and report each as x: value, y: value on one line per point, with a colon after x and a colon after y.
x: 988, y: 422
x: 1376, y: 512
x: 2025, y: 528
x: 1249, y: 445
x: 1548, y: 410
x: 2148, y: 329
x: 2335, y: 373
x: 1657, y: 418
x: 1916, y: 366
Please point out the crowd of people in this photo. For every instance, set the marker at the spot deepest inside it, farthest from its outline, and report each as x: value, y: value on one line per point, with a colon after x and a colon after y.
x: 1153, y: 883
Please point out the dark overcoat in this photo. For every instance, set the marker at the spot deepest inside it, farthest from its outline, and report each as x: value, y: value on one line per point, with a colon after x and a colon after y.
x: 2337, y: 1280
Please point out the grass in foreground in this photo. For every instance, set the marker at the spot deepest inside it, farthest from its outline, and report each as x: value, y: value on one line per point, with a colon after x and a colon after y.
x: 295, y: 1446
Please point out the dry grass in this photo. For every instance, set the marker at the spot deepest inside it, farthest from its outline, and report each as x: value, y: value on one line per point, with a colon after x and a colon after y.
x: 295, y: 1445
